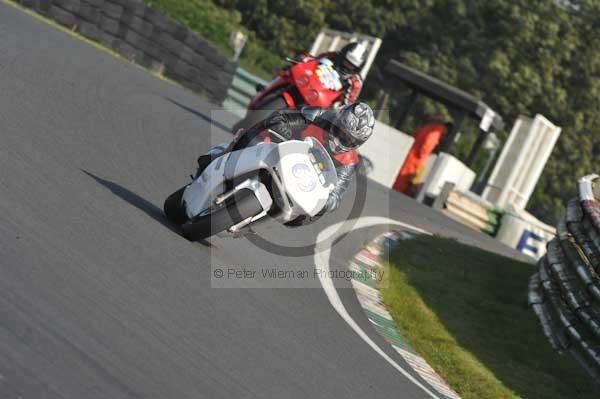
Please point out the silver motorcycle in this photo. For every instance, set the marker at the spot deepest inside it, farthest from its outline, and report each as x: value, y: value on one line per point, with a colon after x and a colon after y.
x: 283, y: 180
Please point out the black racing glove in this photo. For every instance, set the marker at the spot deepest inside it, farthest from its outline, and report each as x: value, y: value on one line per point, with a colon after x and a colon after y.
x: 287, y: 123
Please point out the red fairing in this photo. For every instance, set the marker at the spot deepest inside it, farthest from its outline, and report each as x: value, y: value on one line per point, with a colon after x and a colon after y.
x: 309, y: 82
x: 308, y: 79
x: 289, y: 100
x: 280, y: 83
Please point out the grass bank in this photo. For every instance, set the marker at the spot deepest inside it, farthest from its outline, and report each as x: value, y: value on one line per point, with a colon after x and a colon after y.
x: 215, y: 24
x: 465, y: 311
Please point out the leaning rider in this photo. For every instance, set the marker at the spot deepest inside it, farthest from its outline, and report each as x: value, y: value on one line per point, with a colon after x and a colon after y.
x: 348, y: 62
x: 340, y: 131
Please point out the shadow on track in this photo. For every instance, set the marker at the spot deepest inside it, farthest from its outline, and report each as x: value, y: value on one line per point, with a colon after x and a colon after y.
x: 142, y: 204
x: 200, y: 114
x: 132, y: 198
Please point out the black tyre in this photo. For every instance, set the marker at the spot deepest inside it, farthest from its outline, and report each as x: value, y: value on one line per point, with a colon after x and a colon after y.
x: 261, y: 113
x: 173, y: 208
x: 243, y: 205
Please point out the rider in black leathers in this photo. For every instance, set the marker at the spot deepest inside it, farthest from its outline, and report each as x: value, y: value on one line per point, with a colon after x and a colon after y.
x: 340, y: 131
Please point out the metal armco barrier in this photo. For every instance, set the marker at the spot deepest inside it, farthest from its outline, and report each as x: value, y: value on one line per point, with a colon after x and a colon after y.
x: 463, y: 208
x: 146, y: 37
x: 565, y: 292
x: 468, y: 209
x: 242, y: 89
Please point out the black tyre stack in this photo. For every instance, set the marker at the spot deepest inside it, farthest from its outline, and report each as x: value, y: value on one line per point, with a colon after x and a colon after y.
x: 146, y: 37
x: 565, y: 292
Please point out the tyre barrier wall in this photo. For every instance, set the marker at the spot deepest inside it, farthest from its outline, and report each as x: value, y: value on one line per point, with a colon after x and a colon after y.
x: 146, y: 37
x: 565, y: 291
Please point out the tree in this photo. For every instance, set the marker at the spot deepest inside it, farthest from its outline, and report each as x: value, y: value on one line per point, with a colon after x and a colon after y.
x: 520, y: 56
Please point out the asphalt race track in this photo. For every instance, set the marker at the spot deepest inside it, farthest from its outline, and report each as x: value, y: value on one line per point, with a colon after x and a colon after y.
x: 101, y: 298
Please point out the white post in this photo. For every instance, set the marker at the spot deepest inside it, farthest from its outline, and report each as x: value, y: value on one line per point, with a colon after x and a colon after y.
x: 548, y: 134
x: 517, y: 166
x: 521, y: 162
x: 334, y: 43
x: 317, y: 43
x: 372, y: 53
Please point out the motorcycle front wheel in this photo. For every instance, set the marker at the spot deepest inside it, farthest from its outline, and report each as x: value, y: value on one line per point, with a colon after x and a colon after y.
x: 243, y: 205
x: 263, y: 110
x: 173, y: 209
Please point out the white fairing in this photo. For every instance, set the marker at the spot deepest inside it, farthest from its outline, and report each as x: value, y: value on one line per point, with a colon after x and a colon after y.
x: 307, y: 186
x: 202, y: 192
x: 302, y: 169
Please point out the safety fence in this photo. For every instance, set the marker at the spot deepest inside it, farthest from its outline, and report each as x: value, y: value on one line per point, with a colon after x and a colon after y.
x: 242, y: 89
x: 565, y: 291
x: 146, y: 37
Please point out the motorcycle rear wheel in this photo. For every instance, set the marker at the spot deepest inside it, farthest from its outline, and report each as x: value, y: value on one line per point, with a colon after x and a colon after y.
x: 263, y: 110
x: 244, y: 205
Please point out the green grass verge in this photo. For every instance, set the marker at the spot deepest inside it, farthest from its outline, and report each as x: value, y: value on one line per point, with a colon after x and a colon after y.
x: 215, y: 24
x: 465, y: 311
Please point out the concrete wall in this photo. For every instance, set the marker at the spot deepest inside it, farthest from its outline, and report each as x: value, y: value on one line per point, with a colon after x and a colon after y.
x: 146, y: 37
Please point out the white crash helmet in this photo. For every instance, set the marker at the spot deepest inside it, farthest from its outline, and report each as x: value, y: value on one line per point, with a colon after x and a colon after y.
x: 353, y: 57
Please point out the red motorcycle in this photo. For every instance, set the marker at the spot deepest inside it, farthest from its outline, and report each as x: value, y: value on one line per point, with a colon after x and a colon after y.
x: 313, y: 82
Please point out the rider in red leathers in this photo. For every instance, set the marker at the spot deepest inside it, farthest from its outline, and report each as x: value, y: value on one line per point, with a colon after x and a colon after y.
x: 348, y: 62
x: 329, y: 80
